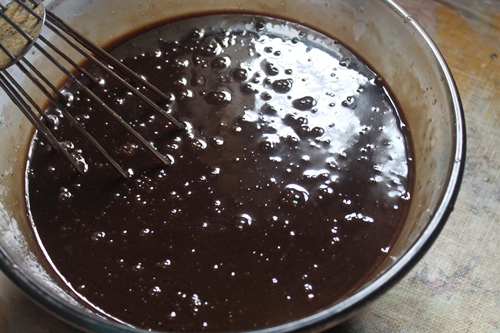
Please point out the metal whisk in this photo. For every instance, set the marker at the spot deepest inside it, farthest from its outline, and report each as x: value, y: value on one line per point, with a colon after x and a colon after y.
x: 20, y: 24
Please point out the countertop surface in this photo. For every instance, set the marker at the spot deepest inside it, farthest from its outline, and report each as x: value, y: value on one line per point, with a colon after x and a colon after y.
x: 456, y: 286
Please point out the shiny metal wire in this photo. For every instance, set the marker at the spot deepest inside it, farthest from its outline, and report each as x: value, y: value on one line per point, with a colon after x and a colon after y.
x: 37, y: 15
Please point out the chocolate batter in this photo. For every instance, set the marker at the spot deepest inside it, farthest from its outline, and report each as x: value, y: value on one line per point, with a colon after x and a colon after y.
x: 286, y: 189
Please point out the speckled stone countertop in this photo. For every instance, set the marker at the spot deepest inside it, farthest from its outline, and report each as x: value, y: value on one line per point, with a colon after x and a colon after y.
x: 456, y: 286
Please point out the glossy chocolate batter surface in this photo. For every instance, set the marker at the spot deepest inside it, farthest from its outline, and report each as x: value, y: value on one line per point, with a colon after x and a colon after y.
x: 285, y: 191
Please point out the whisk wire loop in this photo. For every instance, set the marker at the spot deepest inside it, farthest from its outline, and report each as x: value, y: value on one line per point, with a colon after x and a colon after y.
x: 32, y: 14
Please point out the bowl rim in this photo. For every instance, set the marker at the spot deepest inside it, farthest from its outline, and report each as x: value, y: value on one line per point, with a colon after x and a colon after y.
x: 336, y: 313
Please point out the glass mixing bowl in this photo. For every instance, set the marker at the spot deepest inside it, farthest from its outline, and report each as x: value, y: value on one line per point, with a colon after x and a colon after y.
x: 380, y: 31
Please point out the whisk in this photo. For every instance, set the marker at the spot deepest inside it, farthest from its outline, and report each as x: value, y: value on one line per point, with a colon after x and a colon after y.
x: 20, y: 24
